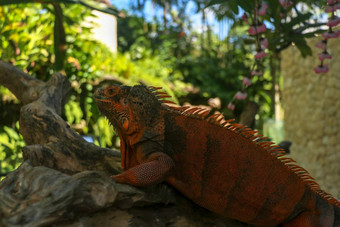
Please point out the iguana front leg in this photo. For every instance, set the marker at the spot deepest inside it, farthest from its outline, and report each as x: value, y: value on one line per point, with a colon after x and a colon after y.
x: 156, y: 168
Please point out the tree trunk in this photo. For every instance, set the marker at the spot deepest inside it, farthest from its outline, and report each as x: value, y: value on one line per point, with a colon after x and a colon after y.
x: 248, y: 114
x: 275, y: 90
x: 165, y: 13
x: 65, y: 181
x: 202, y: 32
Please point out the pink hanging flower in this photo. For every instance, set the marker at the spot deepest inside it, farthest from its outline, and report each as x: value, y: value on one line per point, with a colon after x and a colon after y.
x: 264, y: 43
x: 261, y: 28
x: 286, y: 3
x: 247, y: 81
x: 255, y: 29
x: 331, y: 34
x: 260, y: 54
x: 322, y: 44
x: 333, y: 21
x: 231, y: 106
x: 262, y: 9
x: 252, y: 30
x: 245, y: 17
x: 321, y: 69
x: 329, y: 9
x: 256, y: 72
x: 324, y: 55
x: 241, y: 95
x: 332, y: 8
x: 330, y: 2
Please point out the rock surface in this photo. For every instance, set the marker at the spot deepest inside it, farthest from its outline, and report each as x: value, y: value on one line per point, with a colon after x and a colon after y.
x: 312, y: 113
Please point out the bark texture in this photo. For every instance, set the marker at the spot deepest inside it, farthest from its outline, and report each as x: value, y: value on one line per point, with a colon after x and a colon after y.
x: 65, y: 181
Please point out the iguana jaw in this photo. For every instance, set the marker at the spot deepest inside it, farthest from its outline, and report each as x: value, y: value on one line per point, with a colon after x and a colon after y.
x: 105, y: 106
x: 100, y: 98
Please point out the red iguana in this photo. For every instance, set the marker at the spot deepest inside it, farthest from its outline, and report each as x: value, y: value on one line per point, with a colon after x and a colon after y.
x: 223, y: 167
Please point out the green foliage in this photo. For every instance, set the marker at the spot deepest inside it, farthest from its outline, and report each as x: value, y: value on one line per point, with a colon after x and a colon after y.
x: 216, y: 76
x: 59, y: 30
x: 73, y: 112
x: 217, y: 71
x: 10, y: 149
x: 105, y: 133
x: 91, y: 4
x: 151, y: 70
x: 27, y: 41
x: 297, y: 23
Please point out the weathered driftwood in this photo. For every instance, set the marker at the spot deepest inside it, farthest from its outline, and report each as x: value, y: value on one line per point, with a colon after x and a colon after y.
x: 65, y: 181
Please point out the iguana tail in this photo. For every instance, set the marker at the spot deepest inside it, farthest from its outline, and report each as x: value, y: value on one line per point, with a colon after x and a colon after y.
x: 323, y: 214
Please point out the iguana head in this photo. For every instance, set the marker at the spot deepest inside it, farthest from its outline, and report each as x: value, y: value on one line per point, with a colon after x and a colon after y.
x: 129, y: 109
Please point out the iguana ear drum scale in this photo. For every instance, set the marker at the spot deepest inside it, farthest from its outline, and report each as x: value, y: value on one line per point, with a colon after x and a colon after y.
x: 226, y: 168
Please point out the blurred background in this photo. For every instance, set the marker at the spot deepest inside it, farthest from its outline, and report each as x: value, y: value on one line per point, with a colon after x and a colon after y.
x: 200, y: 52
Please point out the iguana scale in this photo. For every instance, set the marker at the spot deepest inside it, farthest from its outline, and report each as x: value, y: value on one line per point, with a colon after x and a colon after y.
x: 226, y: 168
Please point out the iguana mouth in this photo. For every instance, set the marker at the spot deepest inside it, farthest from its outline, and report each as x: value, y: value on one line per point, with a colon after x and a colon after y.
x: 99, y: 97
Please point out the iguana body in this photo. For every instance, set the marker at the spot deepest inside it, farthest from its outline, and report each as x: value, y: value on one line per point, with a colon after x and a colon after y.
x: 223, y: 167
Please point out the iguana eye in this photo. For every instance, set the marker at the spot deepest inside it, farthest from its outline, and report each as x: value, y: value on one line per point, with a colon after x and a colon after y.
x: 110, y: 91
x: 124, y: 102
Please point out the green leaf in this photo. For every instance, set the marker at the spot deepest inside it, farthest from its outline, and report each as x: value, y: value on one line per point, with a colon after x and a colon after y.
x: 265, y: 96
x: 11, y: 133
x: 302, y: 45
x: 299, y: 19
x: 233, y: 6
x: 312, y: 34
x: 214, y: 2
x: 248, y: 6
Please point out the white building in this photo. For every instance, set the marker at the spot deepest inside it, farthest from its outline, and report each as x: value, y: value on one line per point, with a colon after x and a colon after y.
x: 106, y: 29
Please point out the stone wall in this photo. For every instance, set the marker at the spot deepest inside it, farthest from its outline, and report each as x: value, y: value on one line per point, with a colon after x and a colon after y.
x: 312, y: 113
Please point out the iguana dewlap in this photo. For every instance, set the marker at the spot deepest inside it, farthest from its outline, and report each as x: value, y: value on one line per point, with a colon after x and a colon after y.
x: 223, y: 167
